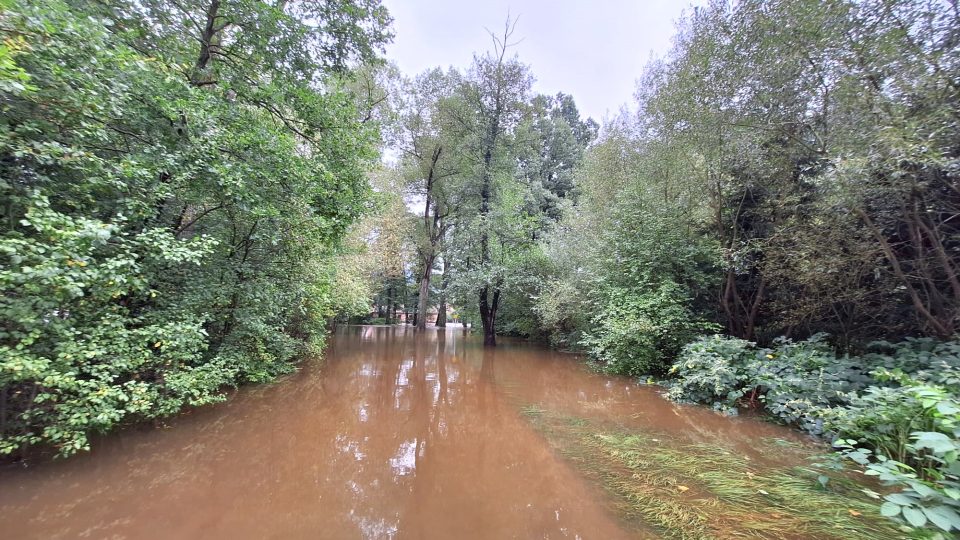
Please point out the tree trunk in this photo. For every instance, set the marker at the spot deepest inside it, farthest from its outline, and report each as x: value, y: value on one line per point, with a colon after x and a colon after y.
x: 208, y: 44
x: 442, y: 303
x: 428, y: 256
x: 488, y: 315
x: 488, y: 309
x: 424, y: 293
x: 391, y: 306
x: 942, y: 327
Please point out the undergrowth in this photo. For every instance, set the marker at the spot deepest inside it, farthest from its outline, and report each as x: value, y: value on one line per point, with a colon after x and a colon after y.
x: 701, y: 491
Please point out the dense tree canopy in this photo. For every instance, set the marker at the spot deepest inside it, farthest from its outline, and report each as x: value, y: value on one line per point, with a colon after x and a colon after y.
x: 792, y: 170
x: 175, y: 178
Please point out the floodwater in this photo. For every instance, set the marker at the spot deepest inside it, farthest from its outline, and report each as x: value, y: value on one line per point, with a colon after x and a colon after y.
x: 396, y: 434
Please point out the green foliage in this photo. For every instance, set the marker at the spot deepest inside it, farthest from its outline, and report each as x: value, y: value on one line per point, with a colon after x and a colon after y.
x: 640, y: 333
x: 635, y: 283
x: 795, y: 381
x: 168, y: 232
x: 893, y: 410
x: 793, y: 164
x: 78, y: 352
x: 908, y: 436
x: 711, y: 370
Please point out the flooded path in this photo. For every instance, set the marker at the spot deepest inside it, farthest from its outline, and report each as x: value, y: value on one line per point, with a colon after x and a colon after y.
x: 394, y: 435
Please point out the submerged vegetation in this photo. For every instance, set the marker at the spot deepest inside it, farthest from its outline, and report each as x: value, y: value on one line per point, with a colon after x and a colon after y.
x: 694, y: 491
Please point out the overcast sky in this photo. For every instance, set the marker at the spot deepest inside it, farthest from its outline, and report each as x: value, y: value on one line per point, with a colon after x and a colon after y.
x: 593, y: 50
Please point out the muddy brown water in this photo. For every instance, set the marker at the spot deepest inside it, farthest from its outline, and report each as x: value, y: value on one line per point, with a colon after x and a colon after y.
x: 395, y: 434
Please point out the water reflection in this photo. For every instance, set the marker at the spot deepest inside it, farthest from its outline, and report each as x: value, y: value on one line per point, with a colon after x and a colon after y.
x: 397, y: 435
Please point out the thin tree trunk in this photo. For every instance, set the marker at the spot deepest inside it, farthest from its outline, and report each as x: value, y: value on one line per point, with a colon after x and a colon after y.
x: 489, y: 334
x: 391, y: 306
x: 941, y: 328
x: 424, y: 293
x: 442, y: 305
x: 429, y: 253
x: 208, y: 44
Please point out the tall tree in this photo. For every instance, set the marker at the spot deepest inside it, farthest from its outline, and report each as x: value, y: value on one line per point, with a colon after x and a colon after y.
x: 430, y: 155
x: 177, y: 176
x: 492, y: 98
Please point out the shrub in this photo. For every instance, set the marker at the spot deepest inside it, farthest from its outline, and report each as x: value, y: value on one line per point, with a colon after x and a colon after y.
x: 893, y: 410
x: 163, y: 238
x: 794, y: 381
x: 640, y: 333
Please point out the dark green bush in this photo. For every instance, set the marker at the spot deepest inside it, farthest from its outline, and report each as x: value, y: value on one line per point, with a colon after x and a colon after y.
x: 893, y: 410
x: 641, y: 332
x: 795, y: 381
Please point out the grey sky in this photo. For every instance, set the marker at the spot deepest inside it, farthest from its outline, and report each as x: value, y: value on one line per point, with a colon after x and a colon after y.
x: 594, y: 51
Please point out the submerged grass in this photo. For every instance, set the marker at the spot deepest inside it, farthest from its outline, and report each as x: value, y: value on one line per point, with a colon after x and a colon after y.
x: 700, y: 491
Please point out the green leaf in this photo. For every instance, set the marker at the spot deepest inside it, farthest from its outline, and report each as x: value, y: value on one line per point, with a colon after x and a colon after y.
x: 923, y: 490
x: 943, y: 517
x: 945, y: 407
x: 900, y: 498
x: 914, y: 517
x: 889, y: 509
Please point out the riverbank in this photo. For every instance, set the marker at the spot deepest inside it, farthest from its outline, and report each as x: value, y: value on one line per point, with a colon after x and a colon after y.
x: 893, y: 411
x: 430, y: 435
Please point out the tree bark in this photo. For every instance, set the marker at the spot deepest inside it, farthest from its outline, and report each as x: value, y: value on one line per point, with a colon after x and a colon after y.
x: 429, y: 252
x: 424, y: 293
x: 391, y: 306
x: 488, y: 315
x: 943, y: 328
x: 208, y: 43
x: 442, y: 304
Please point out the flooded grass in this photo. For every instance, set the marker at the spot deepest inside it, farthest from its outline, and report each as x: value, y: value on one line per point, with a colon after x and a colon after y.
x: 698, y: 491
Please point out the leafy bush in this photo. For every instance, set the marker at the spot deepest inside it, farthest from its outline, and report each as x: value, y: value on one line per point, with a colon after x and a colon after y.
x: 893, y: 410
x: 711, y: 371
x: 641, y: 333
x: 74, y: 355
x: 907, y: 436
x: 795, y: 381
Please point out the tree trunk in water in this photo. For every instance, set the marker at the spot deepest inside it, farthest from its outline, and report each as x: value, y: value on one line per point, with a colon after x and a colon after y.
x: 442, y: 307
x: 488, y: 315
x: 441, y: 321
x: 390, y: 305
x: 424, y: 294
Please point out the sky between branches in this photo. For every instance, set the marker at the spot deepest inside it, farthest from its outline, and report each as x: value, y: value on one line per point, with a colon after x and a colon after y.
x: 594, y: 50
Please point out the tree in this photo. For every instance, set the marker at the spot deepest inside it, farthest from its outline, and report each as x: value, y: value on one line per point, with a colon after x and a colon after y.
x: 790, y: 169
x: 177, y: 177
x: 492, y: 99
x: 429, y: 150
x: 550, y: 144
x: 390, y: 237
